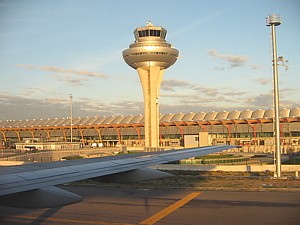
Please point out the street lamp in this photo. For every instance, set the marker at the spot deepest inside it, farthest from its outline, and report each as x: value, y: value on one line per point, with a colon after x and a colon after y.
x: 71, y: 115
x: 273, y: 21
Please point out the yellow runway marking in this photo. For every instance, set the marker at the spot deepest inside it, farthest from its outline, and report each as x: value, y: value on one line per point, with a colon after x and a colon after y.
x: 149, y: 221
x: 73, y: 221
x: 163, y: 213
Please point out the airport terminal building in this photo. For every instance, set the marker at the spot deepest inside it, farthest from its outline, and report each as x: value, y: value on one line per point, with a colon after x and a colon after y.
x: 251, y: 129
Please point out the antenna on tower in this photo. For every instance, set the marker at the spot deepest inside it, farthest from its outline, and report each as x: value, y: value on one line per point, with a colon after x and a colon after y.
x: 283, y: 62
x: 149, y: 24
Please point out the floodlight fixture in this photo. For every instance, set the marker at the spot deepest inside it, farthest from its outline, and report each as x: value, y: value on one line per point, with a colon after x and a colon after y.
x: 273, y: 19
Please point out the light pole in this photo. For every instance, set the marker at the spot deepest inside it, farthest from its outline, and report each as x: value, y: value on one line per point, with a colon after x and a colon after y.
x: 273, y: 21
x: 98, y: 110
x: 71, y: 115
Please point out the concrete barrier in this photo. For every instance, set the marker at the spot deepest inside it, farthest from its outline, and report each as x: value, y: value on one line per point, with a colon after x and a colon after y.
x: 12, y: 163
x: 50, y: 156
x: 229, y: 168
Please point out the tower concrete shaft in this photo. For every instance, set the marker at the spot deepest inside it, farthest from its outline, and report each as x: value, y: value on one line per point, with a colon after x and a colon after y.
x: 151, y: 81
x: 150, y: 55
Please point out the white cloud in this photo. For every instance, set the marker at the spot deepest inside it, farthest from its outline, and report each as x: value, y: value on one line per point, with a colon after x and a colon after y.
x: 20, y: 107
x: 170, y: 85
x: 264, y: 81
x: 206, y: 90
x: 73, y: 81
x: 256, y: 67
x: 54, y: 69
x: 234, y: 60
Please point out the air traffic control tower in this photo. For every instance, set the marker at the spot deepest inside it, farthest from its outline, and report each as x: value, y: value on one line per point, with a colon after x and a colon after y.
x: 150, y: 55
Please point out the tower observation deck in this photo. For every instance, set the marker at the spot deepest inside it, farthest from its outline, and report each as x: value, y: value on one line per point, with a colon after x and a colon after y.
x: 150, y: 55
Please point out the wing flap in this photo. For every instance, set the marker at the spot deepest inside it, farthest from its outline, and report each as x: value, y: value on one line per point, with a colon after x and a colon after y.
x: 40, y: 198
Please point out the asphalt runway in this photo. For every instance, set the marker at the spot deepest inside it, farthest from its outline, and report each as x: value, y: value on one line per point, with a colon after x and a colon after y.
x: 131, y: 206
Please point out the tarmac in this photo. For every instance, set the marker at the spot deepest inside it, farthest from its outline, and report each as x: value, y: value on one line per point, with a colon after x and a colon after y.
x: 115, y: 205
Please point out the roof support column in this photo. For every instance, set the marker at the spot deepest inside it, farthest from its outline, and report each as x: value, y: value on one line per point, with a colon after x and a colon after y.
x: 281, y: 132
x: 254, y: 132
x: 181, y: 130
x: 228, y: 127
x: 48, y: 133
x: 65, y: 134
x: 99, y: 132
x: 32, y: 133
x: 138, y: 131
x: 118, y: 129
x: 160, y: 137
x: 18, y: 133
x: 3, y: 134
x: 204, y: 128
x: 81, y: 134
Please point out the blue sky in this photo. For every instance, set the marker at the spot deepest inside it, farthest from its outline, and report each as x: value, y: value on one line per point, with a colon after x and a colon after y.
x: 50, y: 49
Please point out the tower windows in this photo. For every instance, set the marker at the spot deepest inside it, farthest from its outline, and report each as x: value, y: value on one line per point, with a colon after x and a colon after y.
x: 151, y: 32
x: 143, y: 33
x: 155, y: 33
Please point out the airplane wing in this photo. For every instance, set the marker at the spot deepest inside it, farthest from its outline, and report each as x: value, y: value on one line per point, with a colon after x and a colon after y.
x: 32, y: 185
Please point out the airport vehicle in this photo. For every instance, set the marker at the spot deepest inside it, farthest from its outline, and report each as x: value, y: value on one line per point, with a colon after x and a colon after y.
x: 33, y: 185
